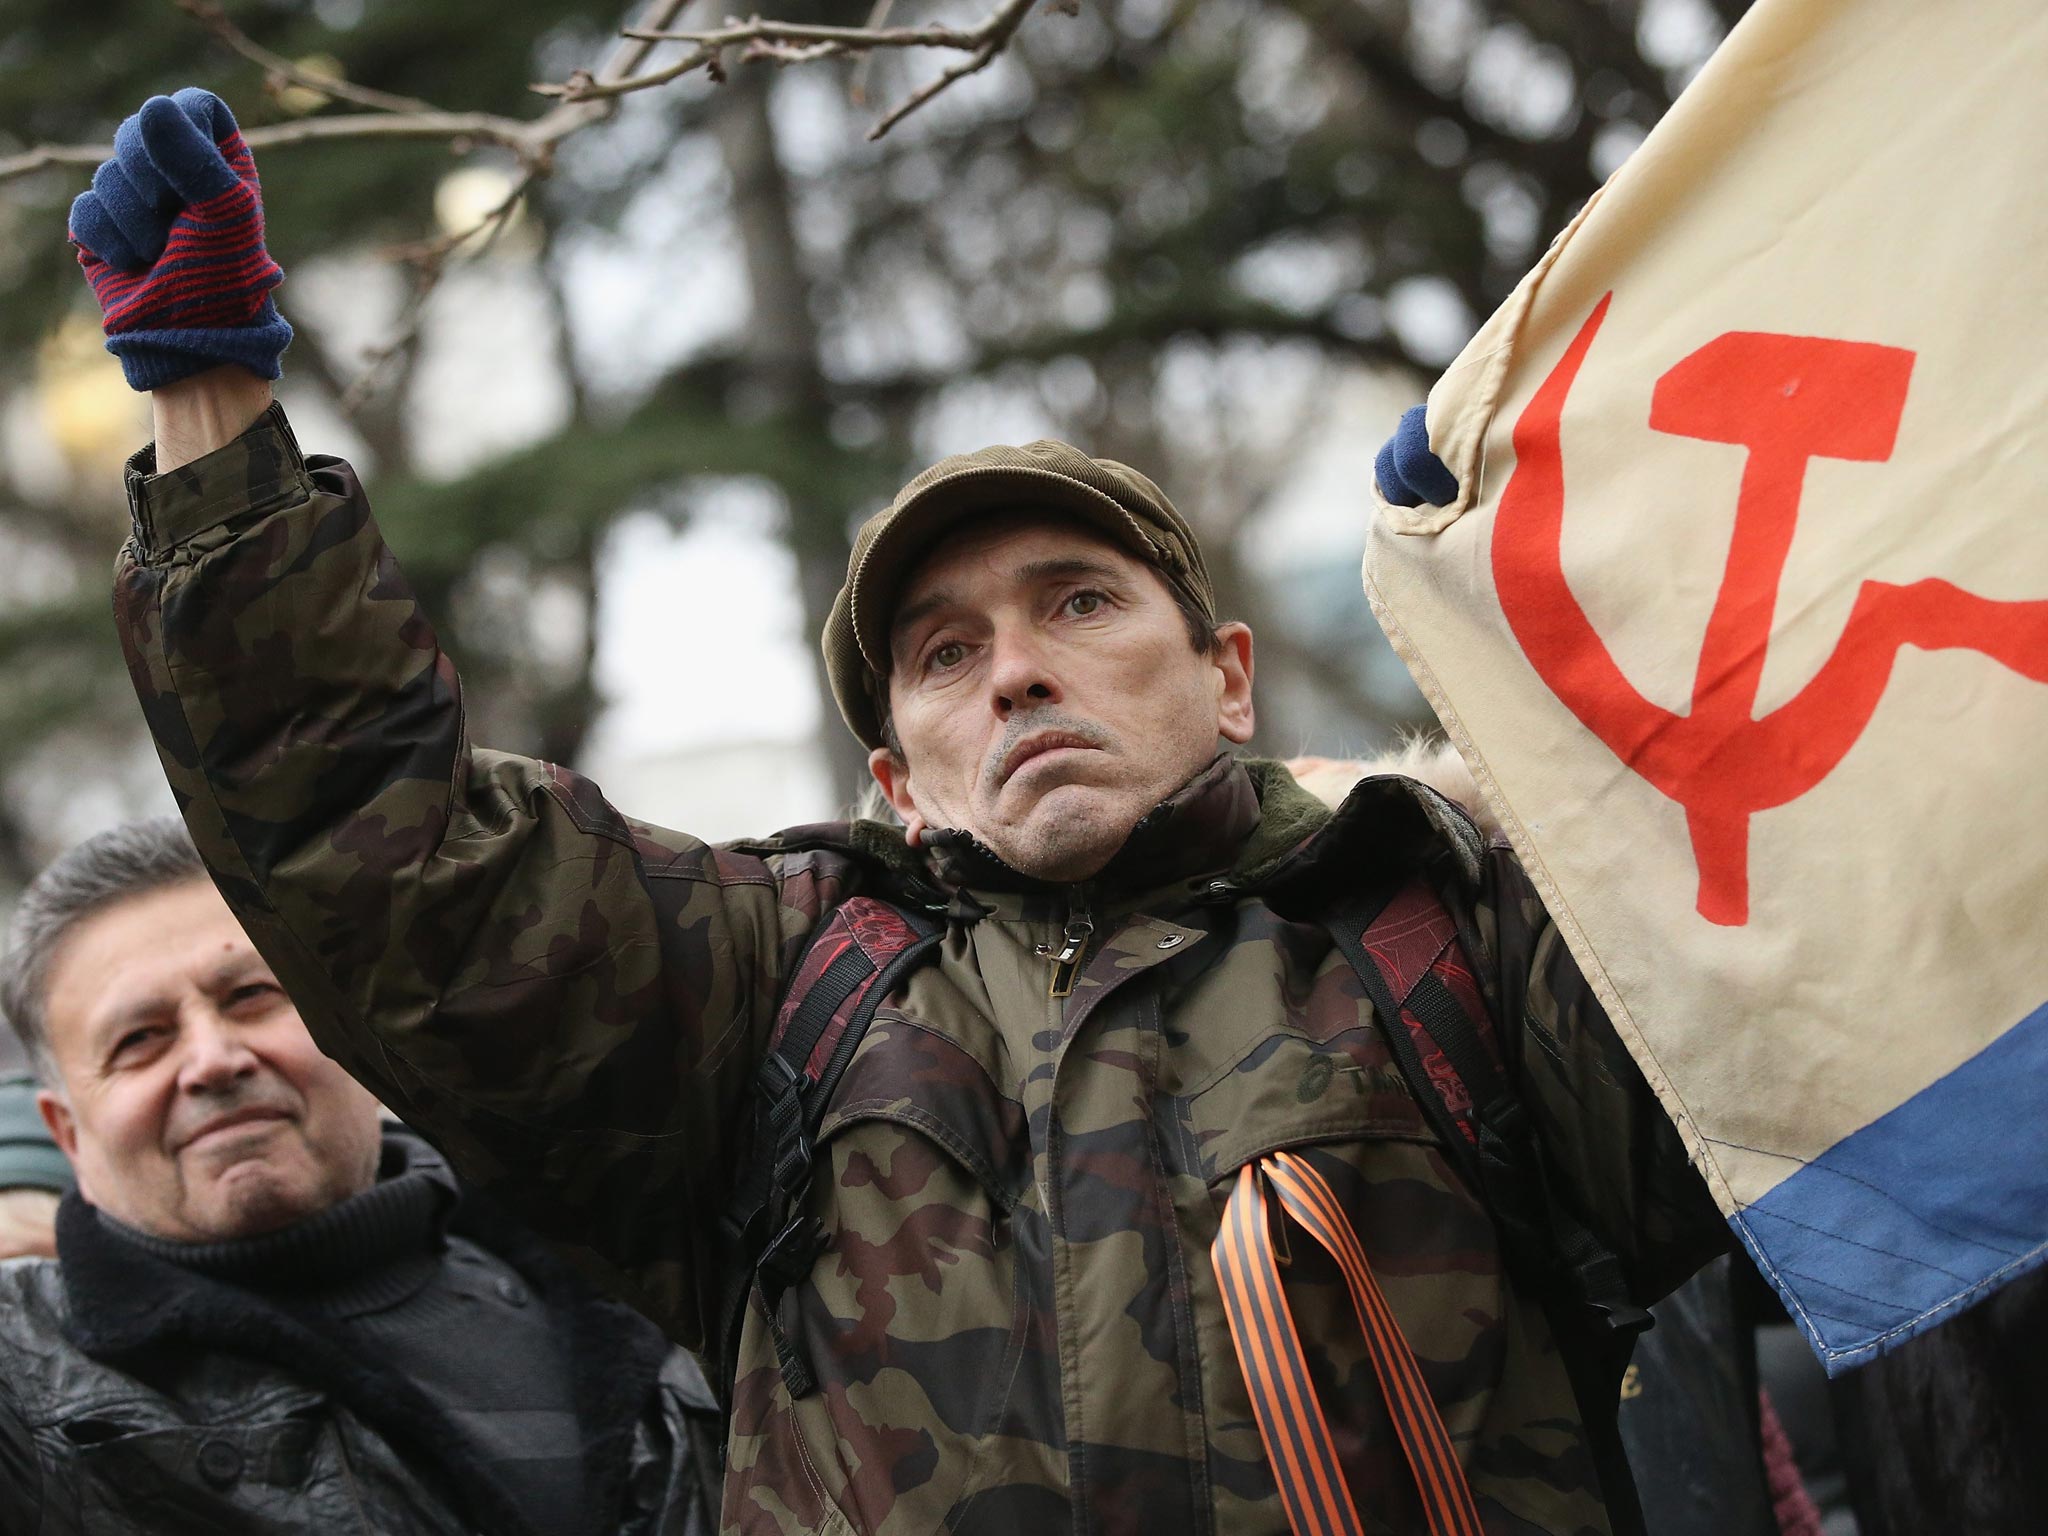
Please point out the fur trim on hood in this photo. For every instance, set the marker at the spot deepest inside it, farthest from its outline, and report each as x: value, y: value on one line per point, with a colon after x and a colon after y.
x: 1429, y: 759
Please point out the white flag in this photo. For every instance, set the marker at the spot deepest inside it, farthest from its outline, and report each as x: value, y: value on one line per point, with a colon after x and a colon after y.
x: 1741, y: 619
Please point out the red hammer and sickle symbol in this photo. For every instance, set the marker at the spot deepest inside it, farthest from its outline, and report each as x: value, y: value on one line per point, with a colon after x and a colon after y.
x: 1786, y: 399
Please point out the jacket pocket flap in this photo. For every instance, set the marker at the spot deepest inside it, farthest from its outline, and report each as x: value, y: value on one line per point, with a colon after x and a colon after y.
x: 910, y: 1075
x: 1291, y: 1090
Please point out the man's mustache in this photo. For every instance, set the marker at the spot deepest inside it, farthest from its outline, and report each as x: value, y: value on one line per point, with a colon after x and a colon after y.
x: 1037, y: 723
x: 200, y: 1113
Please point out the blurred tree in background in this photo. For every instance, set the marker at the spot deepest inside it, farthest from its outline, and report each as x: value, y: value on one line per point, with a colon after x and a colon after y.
x: 1225, y: 241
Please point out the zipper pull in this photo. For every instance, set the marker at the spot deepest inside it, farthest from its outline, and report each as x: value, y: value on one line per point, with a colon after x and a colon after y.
x: 1066, y: 960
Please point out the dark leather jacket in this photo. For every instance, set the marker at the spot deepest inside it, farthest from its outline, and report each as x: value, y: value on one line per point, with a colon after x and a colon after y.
x: 168, y: 1410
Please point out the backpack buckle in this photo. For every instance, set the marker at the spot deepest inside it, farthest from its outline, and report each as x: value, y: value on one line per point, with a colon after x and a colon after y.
x: 792, y: 1168
x: 789, y: 1139
x: 791, y: 1252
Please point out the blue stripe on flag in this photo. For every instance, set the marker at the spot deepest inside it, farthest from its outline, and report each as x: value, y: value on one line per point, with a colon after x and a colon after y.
x: 1919, y: 1214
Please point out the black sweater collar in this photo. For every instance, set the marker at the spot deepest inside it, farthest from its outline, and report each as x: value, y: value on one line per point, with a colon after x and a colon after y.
x: 386, y: 1233
x: 130, y: 1307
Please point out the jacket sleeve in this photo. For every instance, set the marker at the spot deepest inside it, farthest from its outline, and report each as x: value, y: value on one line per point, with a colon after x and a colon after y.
x: 1617, y: 1158
x: 571, y: 1004
x: 21, y: 1470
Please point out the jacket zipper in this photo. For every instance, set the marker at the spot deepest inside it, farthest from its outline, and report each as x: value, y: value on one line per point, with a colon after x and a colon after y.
x: 1072, y: 949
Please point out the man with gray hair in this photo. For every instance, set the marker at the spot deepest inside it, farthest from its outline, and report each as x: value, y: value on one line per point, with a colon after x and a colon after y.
x: 273, y: 1312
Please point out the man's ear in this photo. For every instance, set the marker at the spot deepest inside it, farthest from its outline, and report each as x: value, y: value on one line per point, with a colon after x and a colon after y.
x: 59, y: 1122
x: 893, y: 774
x: 1234, y: 716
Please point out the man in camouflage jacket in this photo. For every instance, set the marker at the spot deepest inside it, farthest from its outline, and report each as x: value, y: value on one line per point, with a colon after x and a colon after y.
x: 1012, y: 1318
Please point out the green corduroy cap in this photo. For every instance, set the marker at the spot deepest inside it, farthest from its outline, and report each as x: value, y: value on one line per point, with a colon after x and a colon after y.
x: 1043, y: 476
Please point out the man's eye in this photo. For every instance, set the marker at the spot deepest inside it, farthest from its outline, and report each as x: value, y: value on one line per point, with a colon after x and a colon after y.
x: 133, y: 1042
x: 1084, y: 604
x: 253, y: 994
x: 942, y: 657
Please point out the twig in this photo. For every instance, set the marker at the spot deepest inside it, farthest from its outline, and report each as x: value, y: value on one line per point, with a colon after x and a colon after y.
x: 429, y: 260
x: 626, y: 57
x: 857, y: 84
x: 391, y: 117
x: 459, y: 127
x: 53, y: 157
x: 462, y: 127
x: 585, y: 98
x: 534, y: 144
x: 786, y: 42
x: 283, y: 71
x: 754, y: 30
x: 998, y: 30
x: 583, y: 87
x: 632, y: 53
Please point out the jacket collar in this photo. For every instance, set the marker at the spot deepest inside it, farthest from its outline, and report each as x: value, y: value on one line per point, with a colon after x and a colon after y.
x: 1388, y: 823
x: 1389, y: 828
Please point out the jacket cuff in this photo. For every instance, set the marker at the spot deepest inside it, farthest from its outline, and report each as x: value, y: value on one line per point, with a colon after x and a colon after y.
x: 257, y: 473
x: 152, y: 359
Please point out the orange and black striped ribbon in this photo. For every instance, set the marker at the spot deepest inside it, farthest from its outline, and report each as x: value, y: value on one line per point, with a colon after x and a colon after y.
x: 1313, y: 1489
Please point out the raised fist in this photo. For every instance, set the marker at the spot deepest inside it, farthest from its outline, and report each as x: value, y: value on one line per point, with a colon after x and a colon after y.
x: 171, y: 240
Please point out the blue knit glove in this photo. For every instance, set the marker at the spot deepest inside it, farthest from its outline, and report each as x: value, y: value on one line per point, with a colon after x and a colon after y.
x: 1408, y: 473
x: 171, y: 240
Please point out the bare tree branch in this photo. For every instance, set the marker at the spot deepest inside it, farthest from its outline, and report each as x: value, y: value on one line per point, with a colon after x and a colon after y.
x: 399, y: 117
x: 52, y: 156
x: 282, y: 71
x: 585, y: 98
x: 389, y: 117
x: 523, y: 139
x: 429, y: 261
x: 857, y: 84
x: 794, y: 43
x: 583, y: 88
x: 534, y: 144
x: 999, y: 29
x: 849, y: 39
x: 626, y: 57
x: 631, y: 53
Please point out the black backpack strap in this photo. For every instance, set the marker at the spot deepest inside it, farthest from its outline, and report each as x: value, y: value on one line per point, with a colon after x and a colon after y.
x: 1405, y: 948
x: 854, y: 961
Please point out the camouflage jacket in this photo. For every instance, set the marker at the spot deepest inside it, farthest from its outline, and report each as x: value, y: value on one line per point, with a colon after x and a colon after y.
x: 1014, y: 1322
